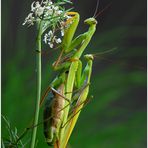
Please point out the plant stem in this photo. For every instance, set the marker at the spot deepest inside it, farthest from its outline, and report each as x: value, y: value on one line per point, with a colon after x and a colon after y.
x: 38, y: 81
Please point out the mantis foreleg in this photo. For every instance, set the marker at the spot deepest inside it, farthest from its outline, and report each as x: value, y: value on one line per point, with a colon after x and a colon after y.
x: 79, y: 43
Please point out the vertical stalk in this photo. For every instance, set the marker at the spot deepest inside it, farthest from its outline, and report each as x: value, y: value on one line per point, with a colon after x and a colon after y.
x: 38, y: 85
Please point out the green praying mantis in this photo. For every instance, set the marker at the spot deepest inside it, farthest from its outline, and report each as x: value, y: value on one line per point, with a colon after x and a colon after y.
x: 57, y: 121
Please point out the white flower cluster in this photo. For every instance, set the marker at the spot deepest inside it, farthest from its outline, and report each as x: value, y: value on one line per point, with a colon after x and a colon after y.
x: 46, y: 10
x: 52, y: 15
x: 50, y: 38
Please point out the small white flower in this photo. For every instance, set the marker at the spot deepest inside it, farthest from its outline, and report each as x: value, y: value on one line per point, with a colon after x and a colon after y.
x: 32, y: 7
x: 50, y: 33
x: 50, y: 2
x: 58, y: 40
x: 58, y: 12
x: 37, y: 4
x: 50, y: 45
x: 45, y: 38
x: 62, y: 32
x: 39, y: 11
x: 49, y: 12
x: 53, y: 39
x: 29, y: 19
x: 56, y: 8
x: 44, y: 2
x: 48, y: 7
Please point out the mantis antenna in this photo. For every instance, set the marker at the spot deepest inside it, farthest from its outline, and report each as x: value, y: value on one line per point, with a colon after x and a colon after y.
x: 100, y: 12
x: 96, y: 8
x: 104, y: 52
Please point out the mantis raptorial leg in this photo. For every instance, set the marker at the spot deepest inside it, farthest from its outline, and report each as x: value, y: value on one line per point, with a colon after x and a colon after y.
x: 79, y: 43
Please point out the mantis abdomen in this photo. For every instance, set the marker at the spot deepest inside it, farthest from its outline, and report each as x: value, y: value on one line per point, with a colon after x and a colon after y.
x: 53, y: 115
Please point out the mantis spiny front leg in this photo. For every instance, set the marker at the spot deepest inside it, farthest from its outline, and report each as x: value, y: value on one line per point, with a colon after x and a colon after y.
x: 78, y: 44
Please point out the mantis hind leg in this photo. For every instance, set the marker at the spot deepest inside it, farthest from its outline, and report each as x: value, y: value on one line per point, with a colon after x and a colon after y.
x: 52, y: 87
x: 74, y: 111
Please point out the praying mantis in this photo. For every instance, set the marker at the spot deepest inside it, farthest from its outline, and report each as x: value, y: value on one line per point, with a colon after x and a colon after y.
x: 69, y: 79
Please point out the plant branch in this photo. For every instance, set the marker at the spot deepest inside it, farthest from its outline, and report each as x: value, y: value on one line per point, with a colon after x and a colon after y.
x: 38, y: 85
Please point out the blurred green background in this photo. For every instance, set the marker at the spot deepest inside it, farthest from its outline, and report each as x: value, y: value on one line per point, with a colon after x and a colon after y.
x: 116, y: 117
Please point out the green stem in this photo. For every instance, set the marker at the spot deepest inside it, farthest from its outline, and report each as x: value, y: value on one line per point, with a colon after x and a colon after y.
x: 38, y: 81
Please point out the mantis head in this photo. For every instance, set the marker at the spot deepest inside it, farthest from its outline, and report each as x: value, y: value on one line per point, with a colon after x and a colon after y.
x: 90, y: 21
x: 89, y: 57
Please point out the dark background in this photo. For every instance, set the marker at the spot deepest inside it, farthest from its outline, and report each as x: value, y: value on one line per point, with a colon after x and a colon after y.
x: 116, y: 116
